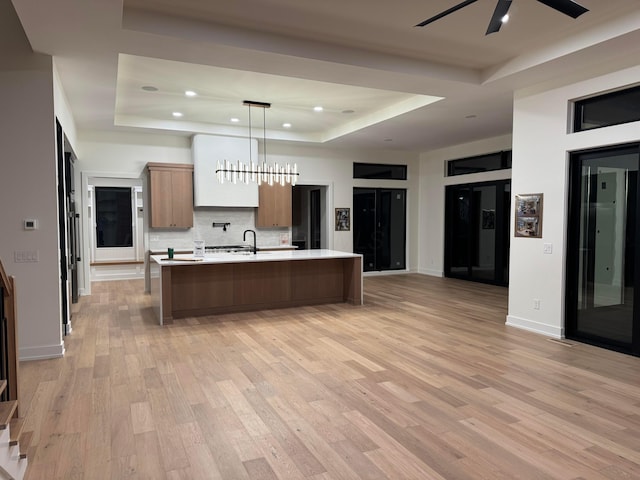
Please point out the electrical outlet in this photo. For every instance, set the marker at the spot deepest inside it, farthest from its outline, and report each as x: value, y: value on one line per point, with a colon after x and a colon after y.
x: 536, y: 304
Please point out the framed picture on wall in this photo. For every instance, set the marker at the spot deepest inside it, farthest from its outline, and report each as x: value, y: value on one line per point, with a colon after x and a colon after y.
x: 343, y: 220
x: 528, y: 221
x: 488, y: 219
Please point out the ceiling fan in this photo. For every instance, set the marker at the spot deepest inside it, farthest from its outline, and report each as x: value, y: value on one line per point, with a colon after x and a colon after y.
x: 568, y: 7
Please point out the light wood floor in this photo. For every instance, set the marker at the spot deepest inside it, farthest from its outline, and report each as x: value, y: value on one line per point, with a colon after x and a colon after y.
x: 423, y: 382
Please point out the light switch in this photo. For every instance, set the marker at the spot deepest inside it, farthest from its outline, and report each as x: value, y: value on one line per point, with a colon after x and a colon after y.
x: 26, y: 256
x: 547, y: 248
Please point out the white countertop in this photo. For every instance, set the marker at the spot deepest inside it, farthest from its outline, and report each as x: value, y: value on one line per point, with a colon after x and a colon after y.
x: 244, y: 257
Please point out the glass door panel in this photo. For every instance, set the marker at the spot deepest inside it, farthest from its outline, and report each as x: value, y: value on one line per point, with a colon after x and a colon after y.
x: 379, y: 227
x: 477, y: 231
x: 484, y: 225
x: 460, y: 215
x: 364, y: 226
x: 602, y: 263
x: 391, y: 246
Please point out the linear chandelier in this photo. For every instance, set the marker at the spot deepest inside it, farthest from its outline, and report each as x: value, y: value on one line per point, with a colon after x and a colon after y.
x: 256, y: 172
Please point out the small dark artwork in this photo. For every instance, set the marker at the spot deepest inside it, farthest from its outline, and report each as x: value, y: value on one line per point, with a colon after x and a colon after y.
x: 343, y: 222
x: 488, y: 219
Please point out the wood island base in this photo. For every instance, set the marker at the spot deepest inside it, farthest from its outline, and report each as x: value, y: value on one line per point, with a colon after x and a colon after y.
x: 213, y: 288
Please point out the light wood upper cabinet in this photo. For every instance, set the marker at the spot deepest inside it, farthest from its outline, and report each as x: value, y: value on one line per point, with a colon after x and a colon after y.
x: 275, y: 206
x: 170, y: 195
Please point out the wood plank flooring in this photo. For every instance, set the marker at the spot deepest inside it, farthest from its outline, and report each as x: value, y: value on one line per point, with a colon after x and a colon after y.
x: 422, y: 382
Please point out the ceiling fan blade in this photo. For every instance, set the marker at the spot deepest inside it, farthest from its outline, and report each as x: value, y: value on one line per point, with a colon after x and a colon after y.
x: 566, y: 6
x: 446, y: 12
x: 502, y: 7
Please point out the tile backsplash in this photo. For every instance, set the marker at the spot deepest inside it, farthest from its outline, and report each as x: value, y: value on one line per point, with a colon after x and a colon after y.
x: 240, y: 219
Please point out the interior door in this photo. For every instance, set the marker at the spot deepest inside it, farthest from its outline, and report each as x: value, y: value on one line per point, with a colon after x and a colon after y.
x: 602, y: 261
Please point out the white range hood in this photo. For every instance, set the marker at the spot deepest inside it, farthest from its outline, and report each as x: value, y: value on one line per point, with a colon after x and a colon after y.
x: 207, y: 150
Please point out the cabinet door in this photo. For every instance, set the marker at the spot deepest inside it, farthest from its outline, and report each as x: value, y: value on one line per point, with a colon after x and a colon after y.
x: 170, y: 195
x: 160, y: 187
x: 275, y: 206
x: 282, y: 200
x: 182, y: 196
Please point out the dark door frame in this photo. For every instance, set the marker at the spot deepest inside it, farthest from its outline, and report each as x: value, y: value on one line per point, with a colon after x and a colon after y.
x: 315, y: 219
x: 63, y: 212
x: 573, y: 255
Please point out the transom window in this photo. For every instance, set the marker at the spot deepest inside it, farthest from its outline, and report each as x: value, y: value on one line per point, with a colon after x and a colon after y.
x: 479, y: 163
x: 614, y: 108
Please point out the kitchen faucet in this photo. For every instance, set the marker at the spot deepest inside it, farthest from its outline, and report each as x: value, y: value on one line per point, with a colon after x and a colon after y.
x: 244, y: 239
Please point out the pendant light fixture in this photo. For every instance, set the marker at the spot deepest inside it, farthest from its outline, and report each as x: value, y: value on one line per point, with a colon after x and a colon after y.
x: 256, y: 172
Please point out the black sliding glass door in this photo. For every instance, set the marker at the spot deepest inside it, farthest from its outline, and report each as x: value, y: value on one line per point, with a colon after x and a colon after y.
x: 379, y: 227
x: 477, y: 231
x: 602, y: 264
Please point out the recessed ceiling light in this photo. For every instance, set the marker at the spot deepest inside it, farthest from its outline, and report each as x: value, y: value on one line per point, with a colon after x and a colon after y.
x: 286, y: 125
x: 177, y: 114
x: 190, y: 93
x: 348, y: 111
x: 318, y: 108
x: 234, y: 120
x: 150, y: 88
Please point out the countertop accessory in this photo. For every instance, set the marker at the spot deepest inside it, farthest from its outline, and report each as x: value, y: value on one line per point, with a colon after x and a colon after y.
x: 198, y: 248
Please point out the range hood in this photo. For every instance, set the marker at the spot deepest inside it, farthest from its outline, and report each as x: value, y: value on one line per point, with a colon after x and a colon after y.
x: 206, y: 151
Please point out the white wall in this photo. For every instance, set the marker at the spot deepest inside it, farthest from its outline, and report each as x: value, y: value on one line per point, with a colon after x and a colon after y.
x: 63, y: 111
x: 432, y: 198
x: 541, y: 146
x: 127, y: 153
x: 28, y: 190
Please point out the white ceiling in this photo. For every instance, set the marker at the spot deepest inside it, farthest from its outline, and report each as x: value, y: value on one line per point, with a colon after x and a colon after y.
x: 363, y: 56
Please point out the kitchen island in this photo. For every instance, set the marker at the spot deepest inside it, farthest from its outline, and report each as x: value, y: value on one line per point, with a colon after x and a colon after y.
x: 243, y: 281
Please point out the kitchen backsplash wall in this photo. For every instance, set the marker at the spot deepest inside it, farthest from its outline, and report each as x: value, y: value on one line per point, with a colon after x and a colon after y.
x: 240, y: 219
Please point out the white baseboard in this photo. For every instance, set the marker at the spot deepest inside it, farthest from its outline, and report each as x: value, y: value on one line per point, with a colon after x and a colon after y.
x: 430, y: 272
x: 385, y: 272
x: 100, y: 273
x: 536, y: 327
x: 107, y: 278
x: 41, y: 353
